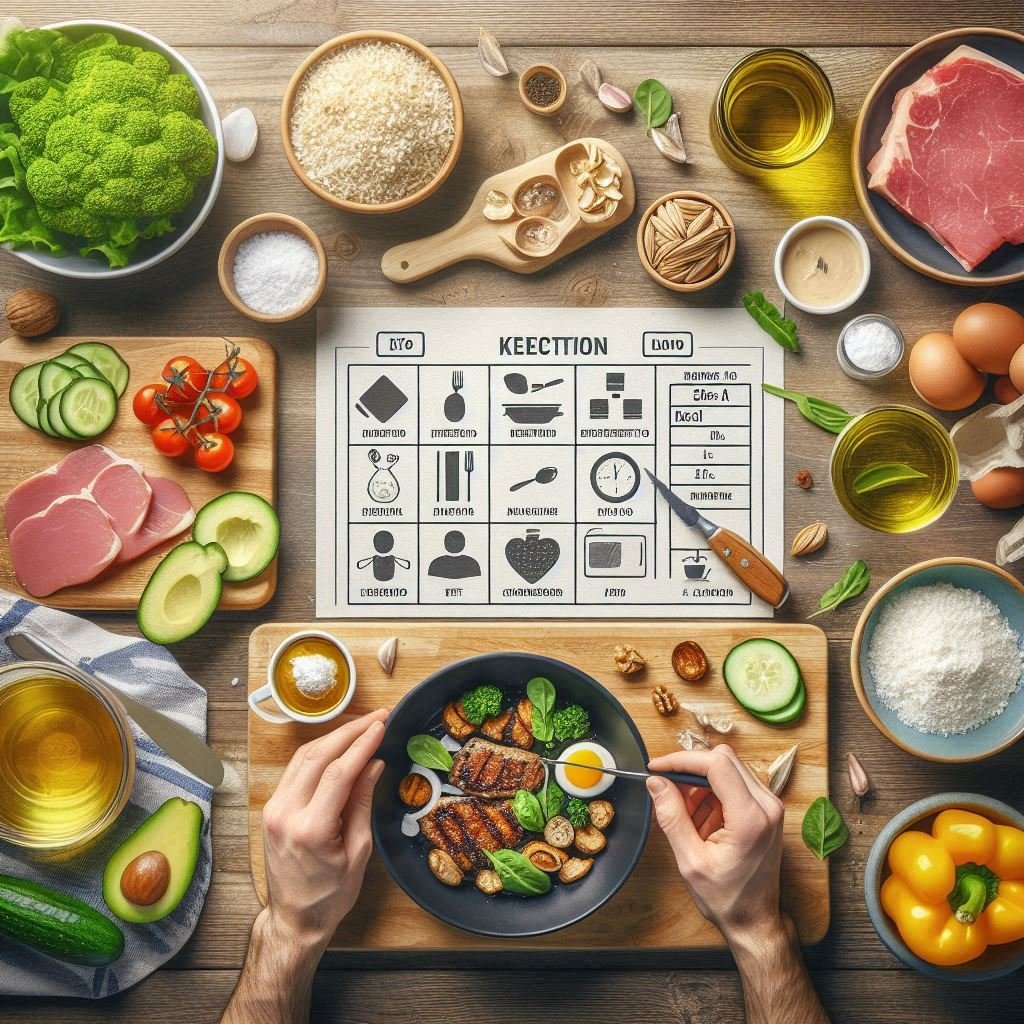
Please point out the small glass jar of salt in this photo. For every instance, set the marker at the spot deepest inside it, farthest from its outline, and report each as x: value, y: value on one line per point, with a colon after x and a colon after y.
x: 870, y: 346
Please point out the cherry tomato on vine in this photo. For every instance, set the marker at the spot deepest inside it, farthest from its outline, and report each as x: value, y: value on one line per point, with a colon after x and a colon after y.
x: 185, y: 378
x: 145, y: 405
x: 170, y: 438
x: 219, y: 414
x: 214, y: 452
x: 237, y: 376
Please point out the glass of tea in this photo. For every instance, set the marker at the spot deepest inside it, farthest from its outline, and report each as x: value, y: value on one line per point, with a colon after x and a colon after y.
x: 67, y: 756
x: 774, y: 109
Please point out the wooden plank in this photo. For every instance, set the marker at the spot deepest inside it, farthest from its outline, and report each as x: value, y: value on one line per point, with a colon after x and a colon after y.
x: 385, y: 918
x: 253, y: 469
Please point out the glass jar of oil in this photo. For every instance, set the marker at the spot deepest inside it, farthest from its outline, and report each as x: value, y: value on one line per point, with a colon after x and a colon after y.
x: 774, y: 109
x: 67, y: 757
x: 911, y: 453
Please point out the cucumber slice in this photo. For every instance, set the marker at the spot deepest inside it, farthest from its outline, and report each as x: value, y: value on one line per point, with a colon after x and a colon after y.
x: 762, y: 675
x: 24, y: 394
x: 53, y: 378
x: 88, y: 407
x: 245, y: 526
x: 81, y: 365
x: 106, y: 360
x: 56, y: 421
x: 790, y: 713
x: 44, y: 419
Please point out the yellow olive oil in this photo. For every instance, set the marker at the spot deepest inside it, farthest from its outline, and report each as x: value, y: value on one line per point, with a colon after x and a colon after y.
x: 774, y: 109
x: 61, y: 760
x: 881, y: 439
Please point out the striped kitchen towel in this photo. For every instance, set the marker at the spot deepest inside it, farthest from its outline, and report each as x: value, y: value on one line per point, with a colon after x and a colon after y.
x: 151, y: 675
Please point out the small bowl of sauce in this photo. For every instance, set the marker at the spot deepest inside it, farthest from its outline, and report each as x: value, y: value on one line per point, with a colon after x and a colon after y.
x: 311, y: 678
x: 822, y: 265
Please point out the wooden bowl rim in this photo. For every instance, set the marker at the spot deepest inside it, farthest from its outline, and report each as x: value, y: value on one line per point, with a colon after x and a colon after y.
x: 555, y: 73
x: 858, y: 640
x: 253, y: 226
x: 347, y: 39
x: 694, y: 286
x: 860, y: 176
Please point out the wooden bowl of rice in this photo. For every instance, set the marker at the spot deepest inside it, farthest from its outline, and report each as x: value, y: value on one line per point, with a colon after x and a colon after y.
x: 333, y: 122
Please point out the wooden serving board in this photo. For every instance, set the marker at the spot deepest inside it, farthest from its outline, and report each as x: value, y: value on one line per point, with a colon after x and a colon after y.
x: 474, y: 237
x: 254, y: 467
x: 653, y: 909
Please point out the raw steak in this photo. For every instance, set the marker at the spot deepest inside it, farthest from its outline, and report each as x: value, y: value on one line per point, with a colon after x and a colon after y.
x: 69, y: 542
x: 952, y: 157
x: 170, y: 512
x: 124, y: 494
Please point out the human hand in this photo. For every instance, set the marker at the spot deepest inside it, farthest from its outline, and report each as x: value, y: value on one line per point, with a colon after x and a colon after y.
x: 316, y: 833
x: 728, y: 844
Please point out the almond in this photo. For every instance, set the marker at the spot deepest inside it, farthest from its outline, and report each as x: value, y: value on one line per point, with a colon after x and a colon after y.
x: 810, y: 539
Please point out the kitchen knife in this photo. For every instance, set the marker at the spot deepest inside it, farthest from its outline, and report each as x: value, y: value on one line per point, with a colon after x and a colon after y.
x: 745, y: 562
x: 175, y: 740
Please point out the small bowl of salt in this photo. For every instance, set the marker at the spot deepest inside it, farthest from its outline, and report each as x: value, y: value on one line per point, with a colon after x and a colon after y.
x: 272, y: 268
x: 870, y: 346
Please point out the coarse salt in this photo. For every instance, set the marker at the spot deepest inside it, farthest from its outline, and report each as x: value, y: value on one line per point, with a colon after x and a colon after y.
x: 314, y: 674
x: 275, y: 272
x: 871, y: 345
x: 944, y: 659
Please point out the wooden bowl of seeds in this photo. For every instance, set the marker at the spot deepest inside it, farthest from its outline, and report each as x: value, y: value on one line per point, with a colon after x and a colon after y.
x: 686, y: 241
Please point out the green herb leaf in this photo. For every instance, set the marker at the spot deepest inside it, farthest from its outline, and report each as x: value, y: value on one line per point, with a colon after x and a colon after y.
x: 517, y: 874
x: 552, y: 800
x: 571, y: 723
x: 542, y: 696
x: 823, y: 828
x: 771, y: 321
x: 527, y: 809
x: 853, y: 582
x: 427, y: 751
x: 654, y: 101
x: 578, y: 812
x: 821, y: 413
x: 885, y: 474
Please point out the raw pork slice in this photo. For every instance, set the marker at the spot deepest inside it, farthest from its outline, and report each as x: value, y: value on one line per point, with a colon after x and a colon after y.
x: 124, y: 494
x: 72, y: 475
x: 69, y: 542
x: 170, y: 512
x: 952, y: 157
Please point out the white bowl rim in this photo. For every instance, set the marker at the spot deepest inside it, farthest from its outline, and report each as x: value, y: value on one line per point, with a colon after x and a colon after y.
x: 799, y: 227
x: 39, y: 261
x: 339, y: 645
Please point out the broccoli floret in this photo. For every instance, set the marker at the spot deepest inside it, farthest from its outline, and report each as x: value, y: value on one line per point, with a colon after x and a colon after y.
x: 481, y: 703
x: 177, y: 94
x: 552, y: 799
x: 571, y: 723
x: 577, y: 812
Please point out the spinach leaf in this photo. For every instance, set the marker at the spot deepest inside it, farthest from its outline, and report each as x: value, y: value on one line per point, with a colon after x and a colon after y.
x: 552, y: 799
x: 771, y: 321
x: 654, y: 101
x: 542, y: 696
x: 821, y: 413
x: 517, y: 874
x: 885, y: 474
x: 853, y: 582
x: 527, y: 809
x: 427, y: 751
x: 823, y: 828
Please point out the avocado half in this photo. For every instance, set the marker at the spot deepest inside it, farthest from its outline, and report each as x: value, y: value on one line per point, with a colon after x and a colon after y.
x: 174, y: 829
x: 182, y: 593
x: 246, y: 527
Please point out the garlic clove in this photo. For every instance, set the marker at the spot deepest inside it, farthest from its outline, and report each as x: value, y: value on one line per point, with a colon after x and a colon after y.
x: 780, y: 770
x: 498, y: 206
x: 615, y: 99
x: 673, y: 129
x: 668, y: 147
x: 240, y: 134
x: 859, y: 782
x: 491, y: 58
x: 590, y: 76
x: 386, y: 654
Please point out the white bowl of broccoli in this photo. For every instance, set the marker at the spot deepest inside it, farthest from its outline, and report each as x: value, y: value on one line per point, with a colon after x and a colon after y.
x: 117, y: 171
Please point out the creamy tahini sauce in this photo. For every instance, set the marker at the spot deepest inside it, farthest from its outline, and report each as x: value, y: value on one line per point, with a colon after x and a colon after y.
x: 822, y: 266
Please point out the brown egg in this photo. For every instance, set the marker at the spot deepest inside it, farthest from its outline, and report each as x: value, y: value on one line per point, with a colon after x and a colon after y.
x: 1017, y: 369
x: 1004, y: 391
x: 987, y: 335
x: 941, y: 376
x: 1000, y: 488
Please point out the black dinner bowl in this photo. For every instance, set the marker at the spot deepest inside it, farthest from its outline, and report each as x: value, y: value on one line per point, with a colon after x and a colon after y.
x: 506, y: 915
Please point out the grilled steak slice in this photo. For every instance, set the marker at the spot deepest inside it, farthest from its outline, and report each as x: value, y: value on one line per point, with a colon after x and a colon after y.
x: 487, y: 769
x: 464, y: 827
x: 455, y: 723
x: 512, y: 726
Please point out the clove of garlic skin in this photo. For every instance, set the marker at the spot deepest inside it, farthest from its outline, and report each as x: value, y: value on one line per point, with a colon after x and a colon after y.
x: 615, y: 99
x: 387, y: 653
x: 240, y: 134
x: 668, y: 147
x: 859, y: 782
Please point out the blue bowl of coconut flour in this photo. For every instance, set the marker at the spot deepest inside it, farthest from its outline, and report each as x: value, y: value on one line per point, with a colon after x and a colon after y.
x: 994, y: 735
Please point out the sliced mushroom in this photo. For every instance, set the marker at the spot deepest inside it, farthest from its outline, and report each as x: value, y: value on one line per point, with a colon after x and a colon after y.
x: 590, y: 840
x: 559, y: 832
x: 574, y: 869
x: 444, y: 868
x: 414, y: 791
x: 488, y: 882
x: 544, y: 856
x: 455, y: 723
x: 601, y: 813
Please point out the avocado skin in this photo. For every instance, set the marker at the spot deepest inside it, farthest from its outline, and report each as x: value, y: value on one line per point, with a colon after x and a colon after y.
x: 174, y: 829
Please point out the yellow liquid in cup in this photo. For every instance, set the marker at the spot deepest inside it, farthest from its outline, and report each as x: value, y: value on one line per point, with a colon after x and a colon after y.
x: 288, y: 689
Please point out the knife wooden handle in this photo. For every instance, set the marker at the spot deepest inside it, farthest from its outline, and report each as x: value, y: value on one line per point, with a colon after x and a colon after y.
x: 750, y: 567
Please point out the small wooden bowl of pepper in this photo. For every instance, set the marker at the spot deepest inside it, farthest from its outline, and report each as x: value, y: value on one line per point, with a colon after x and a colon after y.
x: 543, y: 89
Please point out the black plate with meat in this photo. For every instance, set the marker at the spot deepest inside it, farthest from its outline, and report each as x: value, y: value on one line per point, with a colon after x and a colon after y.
x: 506, y: 915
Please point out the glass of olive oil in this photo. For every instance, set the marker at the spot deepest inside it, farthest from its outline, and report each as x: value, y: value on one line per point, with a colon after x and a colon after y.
x: 67, y: 757
x: 774, y: 109
x: 895, y: 469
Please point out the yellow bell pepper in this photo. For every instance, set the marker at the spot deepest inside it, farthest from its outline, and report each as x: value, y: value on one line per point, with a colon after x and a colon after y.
x: 958, y: 890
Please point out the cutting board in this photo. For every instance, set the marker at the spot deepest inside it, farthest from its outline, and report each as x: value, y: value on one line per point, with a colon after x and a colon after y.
x: 653, y: 909
x: 254, y: 467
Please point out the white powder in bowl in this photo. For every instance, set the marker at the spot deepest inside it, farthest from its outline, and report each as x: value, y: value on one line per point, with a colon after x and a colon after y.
x: 944, y: 659
x: 275, y: 272
x: 314, y: 674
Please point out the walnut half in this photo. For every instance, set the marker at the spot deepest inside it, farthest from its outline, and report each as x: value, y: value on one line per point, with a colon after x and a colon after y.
x: 664, y: 701
x: 628, y: 660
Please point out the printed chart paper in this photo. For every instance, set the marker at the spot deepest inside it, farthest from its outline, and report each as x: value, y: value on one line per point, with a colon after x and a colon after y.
x: 493, y: 462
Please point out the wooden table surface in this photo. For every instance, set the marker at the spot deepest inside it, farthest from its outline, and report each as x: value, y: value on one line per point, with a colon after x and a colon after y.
x: 246, y: 53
